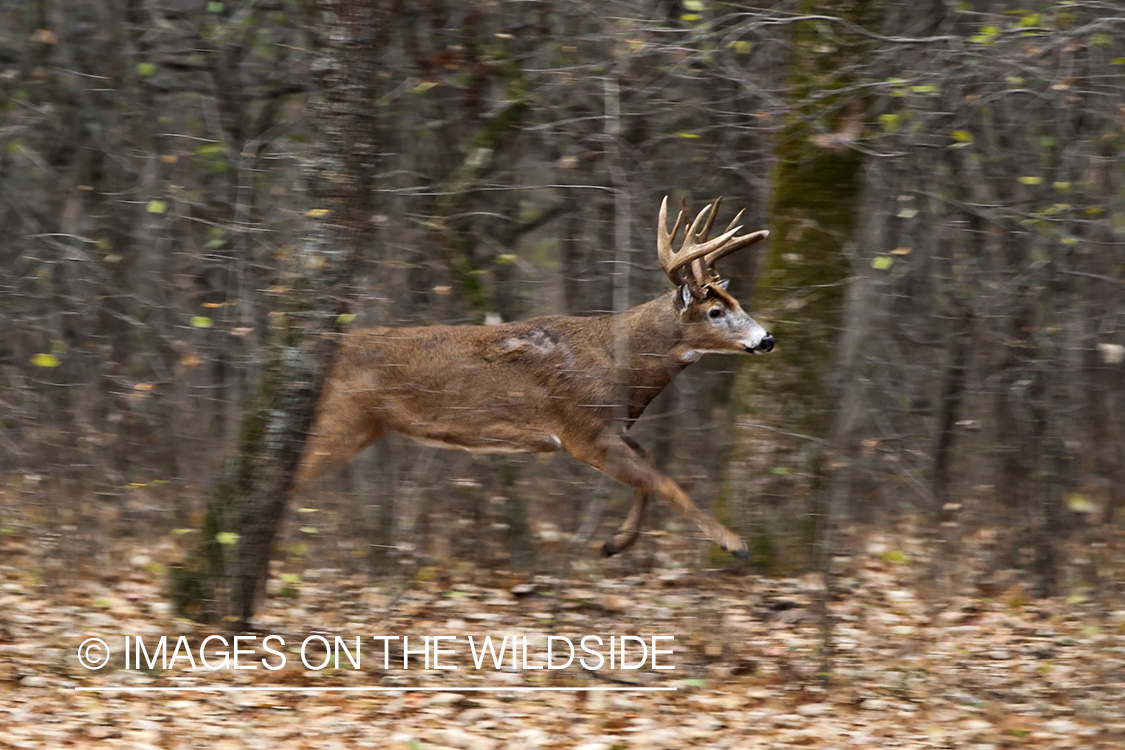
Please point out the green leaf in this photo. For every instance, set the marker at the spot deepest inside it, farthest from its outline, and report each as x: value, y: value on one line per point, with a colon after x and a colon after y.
x: 695, y: 5
x: 1030, y: 180
x: 308, y: 530
x: 423, y: 87
x: 882, y: 262
x: 690, y: 17
x: 781, y: 471
x: 741, y: 47
x: 157, y: 568
x: 926, y: 88
x: 214, y: 7
x: 987, y: 35
x: 181, y: 532
x: 890, y: 121
x: 201, y: 321
x: 505, y: 259
x: 962, y: 136
x: 227, y: 538
x: 146, y: 69
x: 156, y: 207
x: 907, y: 213
x: 895, y: 556
x: 45, y: 360
x: 684, y: 134
x: 1079, y: 503
x: 1117, y: 61
x: 345, y: 318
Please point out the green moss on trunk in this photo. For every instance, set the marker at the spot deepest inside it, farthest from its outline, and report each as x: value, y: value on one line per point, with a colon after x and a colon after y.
x: 813, y: 215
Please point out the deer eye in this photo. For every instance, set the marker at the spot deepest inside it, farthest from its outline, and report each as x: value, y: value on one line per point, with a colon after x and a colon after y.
x: 715, y: 313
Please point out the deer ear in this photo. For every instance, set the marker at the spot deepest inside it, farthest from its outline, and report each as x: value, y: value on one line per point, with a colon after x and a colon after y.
x: 682, y: 298
x: 723, y: 284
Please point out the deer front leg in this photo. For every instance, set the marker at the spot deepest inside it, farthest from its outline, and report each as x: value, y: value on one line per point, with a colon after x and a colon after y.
x: 612, y: 455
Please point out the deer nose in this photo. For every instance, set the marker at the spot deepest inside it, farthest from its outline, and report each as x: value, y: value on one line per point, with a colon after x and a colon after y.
x: 766, y: 344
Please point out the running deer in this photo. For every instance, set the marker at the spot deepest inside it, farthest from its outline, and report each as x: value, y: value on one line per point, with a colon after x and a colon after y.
x: 547, y: 384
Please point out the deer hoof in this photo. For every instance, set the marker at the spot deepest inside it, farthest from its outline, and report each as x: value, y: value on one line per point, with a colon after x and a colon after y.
x: 741, y: 553
x: 609, y: 549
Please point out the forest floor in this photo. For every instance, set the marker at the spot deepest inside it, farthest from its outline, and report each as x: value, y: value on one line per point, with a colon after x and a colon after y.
x: 984, y: 666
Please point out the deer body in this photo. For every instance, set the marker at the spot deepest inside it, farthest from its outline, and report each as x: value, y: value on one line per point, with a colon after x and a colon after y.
x: 540, y: 385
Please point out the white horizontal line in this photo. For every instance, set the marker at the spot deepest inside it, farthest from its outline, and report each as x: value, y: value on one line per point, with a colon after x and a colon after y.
x: 451, y: 689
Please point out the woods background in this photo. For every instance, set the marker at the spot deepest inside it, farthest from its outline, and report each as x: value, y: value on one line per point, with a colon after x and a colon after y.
x: 945, y: 278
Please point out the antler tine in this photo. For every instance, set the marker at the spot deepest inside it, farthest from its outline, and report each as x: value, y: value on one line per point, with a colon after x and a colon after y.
x: 693, y: 232
x: 711, y: 219
x: 737, y: 243
x: 691, y: 251
x: 664, y: 241
x: 702, y: 269
x: 734, y: 221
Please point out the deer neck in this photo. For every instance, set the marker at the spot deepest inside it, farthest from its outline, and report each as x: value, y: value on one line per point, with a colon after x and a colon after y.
x: 657, y: 353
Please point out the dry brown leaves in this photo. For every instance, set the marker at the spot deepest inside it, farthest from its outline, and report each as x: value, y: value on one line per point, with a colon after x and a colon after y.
x: 914, y: 666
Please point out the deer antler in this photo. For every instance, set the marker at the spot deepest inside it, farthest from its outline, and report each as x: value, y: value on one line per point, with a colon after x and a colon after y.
x: 691, y: 250
x: 697, y: 250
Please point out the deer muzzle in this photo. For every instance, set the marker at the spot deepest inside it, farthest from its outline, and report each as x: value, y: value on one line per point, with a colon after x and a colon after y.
x: 765, y: 345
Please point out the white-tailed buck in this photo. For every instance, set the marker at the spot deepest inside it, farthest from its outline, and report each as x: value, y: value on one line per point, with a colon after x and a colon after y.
x: 546, y: 384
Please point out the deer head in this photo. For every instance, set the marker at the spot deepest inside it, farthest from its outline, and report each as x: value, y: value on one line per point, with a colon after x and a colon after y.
x: 713, y: 320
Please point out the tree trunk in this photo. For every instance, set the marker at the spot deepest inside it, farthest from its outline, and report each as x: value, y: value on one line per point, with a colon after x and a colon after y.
x: 816, y: 195
x: 247, y: 506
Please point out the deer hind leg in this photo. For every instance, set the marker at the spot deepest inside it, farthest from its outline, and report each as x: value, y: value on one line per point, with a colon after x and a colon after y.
x: 335, y: 441
x: 631, y: 528
x: 618, y: 459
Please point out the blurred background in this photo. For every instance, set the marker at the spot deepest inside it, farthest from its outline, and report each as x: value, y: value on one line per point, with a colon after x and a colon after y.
x: 945, y: 275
